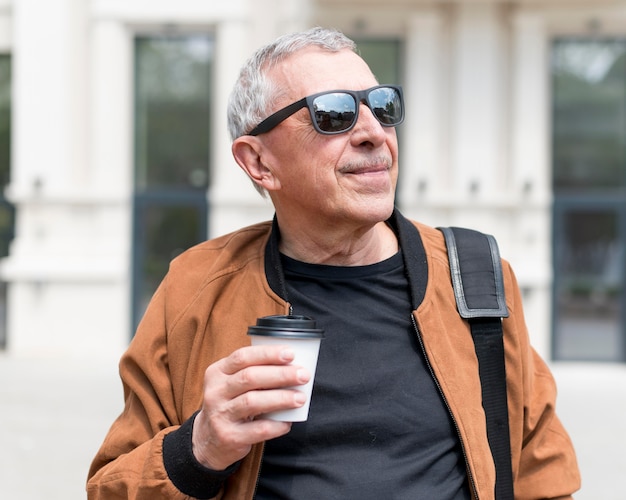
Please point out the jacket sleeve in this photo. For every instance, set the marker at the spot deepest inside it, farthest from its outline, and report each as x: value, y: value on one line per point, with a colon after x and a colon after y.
x: 147, y: 452
x: 543, y: 457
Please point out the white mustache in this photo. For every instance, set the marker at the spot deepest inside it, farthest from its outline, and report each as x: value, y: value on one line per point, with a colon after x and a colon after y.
x: 370, y: 164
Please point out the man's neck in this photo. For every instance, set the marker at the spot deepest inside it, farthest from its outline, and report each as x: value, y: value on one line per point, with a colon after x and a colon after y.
x: 356, y: 247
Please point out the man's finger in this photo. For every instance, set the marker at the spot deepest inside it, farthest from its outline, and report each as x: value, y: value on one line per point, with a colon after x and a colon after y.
x: 256, y: 355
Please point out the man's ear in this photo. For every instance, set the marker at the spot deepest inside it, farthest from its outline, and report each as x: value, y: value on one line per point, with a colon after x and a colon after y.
x: 251, y: 155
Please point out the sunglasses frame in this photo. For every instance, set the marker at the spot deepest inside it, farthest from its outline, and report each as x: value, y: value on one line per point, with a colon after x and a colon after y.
x: 359, y: 96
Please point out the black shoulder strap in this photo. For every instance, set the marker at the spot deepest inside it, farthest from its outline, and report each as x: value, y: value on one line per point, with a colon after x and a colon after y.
x: 479, y: 290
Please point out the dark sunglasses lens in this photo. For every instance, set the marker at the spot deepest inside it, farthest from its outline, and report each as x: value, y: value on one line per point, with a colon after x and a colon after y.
x: 386, y: 104
x: 334, y: 112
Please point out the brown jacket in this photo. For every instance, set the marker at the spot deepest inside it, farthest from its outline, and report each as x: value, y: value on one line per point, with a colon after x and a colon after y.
x: 201, y: 312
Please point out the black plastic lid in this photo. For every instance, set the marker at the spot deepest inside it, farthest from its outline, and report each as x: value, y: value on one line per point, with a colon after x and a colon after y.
x: 291, y: 326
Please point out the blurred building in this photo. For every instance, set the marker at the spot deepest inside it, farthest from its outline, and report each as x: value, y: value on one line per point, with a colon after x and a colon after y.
x: 114, y: 154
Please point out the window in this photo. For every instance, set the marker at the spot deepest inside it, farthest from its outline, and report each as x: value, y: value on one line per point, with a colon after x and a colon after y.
x: 6, y: 209
x: 589, y: 215
x: 172, y: 111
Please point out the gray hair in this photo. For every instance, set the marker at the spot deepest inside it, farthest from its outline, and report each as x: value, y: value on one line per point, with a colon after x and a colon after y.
x: 253, y: 91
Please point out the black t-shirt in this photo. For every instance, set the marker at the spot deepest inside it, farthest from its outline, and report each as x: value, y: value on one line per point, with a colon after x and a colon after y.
x: 378, y: 426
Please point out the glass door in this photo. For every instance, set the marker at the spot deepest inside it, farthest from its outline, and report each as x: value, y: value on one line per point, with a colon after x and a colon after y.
x: 589, y: 215
x: 173, y: 76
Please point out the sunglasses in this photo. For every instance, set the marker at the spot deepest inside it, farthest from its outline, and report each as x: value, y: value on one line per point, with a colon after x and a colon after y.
x: 337, y: 111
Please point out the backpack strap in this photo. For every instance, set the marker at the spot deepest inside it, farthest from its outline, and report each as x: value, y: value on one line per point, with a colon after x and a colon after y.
x: 478, y: 285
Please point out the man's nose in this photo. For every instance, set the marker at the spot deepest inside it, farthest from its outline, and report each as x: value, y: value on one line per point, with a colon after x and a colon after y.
x: 367, y: 121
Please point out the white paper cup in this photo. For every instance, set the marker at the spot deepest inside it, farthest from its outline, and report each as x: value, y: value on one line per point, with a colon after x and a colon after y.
x: 301, y: 335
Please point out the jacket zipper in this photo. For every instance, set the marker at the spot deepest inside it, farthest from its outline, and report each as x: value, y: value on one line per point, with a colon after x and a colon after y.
x: 445, y: 401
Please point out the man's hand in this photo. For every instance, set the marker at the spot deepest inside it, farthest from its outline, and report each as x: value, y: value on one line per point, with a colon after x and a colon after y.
x: 238, y: 388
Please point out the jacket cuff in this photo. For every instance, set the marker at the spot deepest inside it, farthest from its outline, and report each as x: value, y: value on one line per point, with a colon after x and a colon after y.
x: 183, y: 469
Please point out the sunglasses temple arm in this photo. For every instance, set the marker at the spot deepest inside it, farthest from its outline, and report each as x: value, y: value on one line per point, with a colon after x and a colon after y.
x: 271, y: 121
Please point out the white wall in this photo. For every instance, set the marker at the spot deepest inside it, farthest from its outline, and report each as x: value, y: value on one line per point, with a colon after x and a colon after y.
x: 475, y: 144
x: 67, y: 265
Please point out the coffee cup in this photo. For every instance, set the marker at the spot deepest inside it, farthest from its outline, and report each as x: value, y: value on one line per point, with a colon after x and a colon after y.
x: 300, y: 334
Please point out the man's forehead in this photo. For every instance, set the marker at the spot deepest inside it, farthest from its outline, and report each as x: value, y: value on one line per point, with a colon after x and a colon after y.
x: 313, y: 70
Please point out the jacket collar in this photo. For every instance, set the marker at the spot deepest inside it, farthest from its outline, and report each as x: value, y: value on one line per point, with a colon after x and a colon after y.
x: 410, y: 242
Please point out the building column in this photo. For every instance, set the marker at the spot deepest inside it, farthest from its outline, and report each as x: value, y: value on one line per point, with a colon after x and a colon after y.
x: 422, y: 135
x: 66, y: 270
x: 531, y: 241
x: 479, y: 99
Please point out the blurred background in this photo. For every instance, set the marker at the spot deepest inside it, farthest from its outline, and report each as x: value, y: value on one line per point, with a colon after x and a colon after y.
x: 114, y: 158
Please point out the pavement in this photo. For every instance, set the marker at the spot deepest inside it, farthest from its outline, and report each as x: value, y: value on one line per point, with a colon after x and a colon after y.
x: 54, y: 413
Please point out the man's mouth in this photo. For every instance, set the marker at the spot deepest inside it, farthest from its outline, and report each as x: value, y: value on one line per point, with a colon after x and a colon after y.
x: 378, y: 166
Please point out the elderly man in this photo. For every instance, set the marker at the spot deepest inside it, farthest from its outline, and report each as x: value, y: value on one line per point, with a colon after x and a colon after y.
x: 396, y: 408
